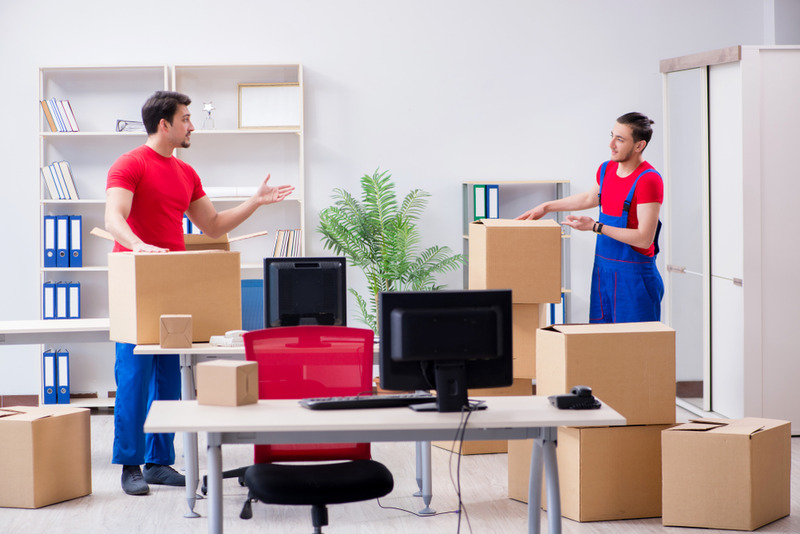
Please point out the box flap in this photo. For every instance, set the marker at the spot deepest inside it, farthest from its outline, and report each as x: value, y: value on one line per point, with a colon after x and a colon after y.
x: 742, y: 427
x: 502, y: 223
x: 33, y: 413
x: 611, y: 328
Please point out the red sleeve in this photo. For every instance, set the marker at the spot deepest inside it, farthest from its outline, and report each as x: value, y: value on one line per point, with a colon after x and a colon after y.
x: 650, y: 189
x: 125, y: 172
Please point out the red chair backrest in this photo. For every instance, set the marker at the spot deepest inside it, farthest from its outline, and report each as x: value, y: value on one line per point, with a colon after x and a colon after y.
x: 298, y: 362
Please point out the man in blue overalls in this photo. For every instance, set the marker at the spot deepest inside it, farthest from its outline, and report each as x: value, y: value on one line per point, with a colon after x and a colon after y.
x: 626, y: 286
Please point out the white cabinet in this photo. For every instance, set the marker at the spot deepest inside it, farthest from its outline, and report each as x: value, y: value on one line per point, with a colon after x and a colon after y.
x: 747, y: 150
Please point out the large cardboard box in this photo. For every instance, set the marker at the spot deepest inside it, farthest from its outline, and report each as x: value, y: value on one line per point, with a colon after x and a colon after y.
x: 227, y: 382
x: 143, y: 287
x: 521, y: 387
x: 524, y: 256
x: 726, y: 474
x: 527, y: 318
x: 629, y: 366
x: 605, y: 473
x: 46, y: 455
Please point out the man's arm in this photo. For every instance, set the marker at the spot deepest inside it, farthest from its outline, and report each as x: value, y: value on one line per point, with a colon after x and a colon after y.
x: 641, y: 237
x: 576, y: 202
x: 204, y: 215
x: 118, y: 207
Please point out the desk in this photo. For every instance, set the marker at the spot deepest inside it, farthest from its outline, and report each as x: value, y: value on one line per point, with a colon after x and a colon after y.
x: 284, y: 421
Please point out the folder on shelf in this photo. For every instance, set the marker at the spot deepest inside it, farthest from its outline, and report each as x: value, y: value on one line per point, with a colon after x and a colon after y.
x: 56, y: 178
x: 69, y: 181
x: 73, y: 300
x: 479, y: 201
x: 62, y: 376
x: 49, y: 376
x: 52, y: 104
x: 48, y: 116
x: 50, y: 183
x: 187, y: 225
x: 62, y: 302
x: 49, y: 240
x: 70, y: 115
x: 492, y: 201
x: 48, y: 300
x: 75, y: 241
x: 62, y: 241
x: 61, y: 180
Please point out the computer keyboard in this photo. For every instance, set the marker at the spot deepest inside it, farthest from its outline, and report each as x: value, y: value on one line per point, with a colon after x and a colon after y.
x: 367, y: 401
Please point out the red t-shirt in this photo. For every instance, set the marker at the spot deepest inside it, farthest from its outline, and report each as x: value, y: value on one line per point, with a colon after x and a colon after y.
x: 162, y: 190
x: 615, y: 189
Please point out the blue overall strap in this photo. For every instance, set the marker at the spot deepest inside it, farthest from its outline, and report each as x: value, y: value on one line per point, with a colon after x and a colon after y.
x: 602, y: 177
x: 627, y: 207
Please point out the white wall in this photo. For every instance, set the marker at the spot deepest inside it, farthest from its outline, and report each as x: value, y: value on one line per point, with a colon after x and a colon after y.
x: 436, y: 91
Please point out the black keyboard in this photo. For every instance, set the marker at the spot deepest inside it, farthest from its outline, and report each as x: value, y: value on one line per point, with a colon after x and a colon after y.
x: 367, y: 401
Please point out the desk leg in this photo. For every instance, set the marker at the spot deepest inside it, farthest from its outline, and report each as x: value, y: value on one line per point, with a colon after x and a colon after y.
x: 543, y: 458
x: 214, y: 483
x: 189, y: 438
x: 424, y: 475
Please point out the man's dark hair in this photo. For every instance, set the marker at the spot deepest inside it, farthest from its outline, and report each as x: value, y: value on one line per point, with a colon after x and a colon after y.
x: 640, y: 125
x: 162, y: 105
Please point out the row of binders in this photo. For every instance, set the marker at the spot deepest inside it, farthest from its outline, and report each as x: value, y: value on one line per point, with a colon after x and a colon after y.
x: 59, y: 115
x: 63, y: 244
x: 486, y: 201
x: 59, y: 181
x: 287, y: 244
x: 55, y: 376
x: 61, y: 300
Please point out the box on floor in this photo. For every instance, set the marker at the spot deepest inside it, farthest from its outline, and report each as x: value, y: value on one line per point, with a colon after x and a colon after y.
x: 46, y: 455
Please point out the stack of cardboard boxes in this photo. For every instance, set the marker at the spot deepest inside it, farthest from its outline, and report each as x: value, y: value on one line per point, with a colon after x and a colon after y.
x: 606, y: 472
x: 525, y: 257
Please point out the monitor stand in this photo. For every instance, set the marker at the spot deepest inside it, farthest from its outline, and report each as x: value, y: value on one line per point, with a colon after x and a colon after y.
x: 451, y: 390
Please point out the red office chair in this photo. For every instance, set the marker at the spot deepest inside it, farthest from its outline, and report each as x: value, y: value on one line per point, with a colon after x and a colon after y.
x: 314, y: 361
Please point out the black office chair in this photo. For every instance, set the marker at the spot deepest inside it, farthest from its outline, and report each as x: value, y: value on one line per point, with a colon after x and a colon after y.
x: 314, y: 361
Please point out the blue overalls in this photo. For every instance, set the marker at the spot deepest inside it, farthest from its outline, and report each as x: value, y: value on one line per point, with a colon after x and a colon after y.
x: 626, y: 285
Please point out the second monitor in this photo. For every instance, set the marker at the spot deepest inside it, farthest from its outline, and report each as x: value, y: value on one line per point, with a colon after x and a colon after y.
x: 305, y: 291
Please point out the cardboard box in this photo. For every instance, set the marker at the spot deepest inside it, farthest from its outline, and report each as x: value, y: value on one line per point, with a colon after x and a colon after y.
x: 227, y: 382
x: 520, y: 387
x: 629, y: 366
x: 527, y: 318
x: 605, y: 473
x: 524, y: 256
x: 46, y: 455
x: 143, y: 287
x: 176, y: 331
x: 726, y: 474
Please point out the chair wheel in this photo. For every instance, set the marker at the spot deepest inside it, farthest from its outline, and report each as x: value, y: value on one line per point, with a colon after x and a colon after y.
x: 204, y: 485
x: 241, y: 481
x: 247, y: 510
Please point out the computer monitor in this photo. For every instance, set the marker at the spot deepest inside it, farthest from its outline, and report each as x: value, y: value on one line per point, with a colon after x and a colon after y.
x: 305, y: 291
x: 446, y: 340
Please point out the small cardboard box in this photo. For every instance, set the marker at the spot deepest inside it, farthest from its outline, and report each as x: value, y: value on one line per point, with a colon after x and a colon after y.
x: 521, y: 387
x: 143, y: 287
x: 227, y: 382
x: 524, y: 256
x: 176, y: 331
x: 605, y: 473
x: 46, y: 455
x: 726, y: 474
x: 629, y: 366
x: 527, y: 318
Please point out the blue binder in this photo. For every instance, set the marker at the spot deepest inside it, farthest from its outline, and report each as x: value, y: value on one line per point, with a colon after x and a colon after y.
x: 75, y: 241
x: 73, y: 300
x: 48, y: 300
x: 49, y: 376
x: 49, y: 240
x: 62, y: 300
x: 62, y: 376
x: 62, y: 241
x: 492, y: 201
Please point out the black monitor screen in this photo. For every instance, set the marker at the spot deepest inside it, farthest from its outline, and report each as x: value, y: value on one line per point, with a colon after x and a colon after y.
x: 446, y: 340
x: 300, y: 291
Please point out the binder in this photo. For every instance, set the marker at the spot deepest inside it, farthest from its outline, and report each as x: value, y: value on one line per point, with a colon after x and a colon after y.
x: 49, y: 377
x: 56, y: 181
x: 49, y: 241
x: 479, y: 201
x: 62, y: 241
x: 62, y: 376
x: 492, y: 201
x: 61, y: 301
x: 48, y: 300
x: 73, y: 300
x: 187, y: 225
x: 75, y: 241
x: 48, y: 116
x: 52, y: 190
x: 61, y: 180
x: 69, y: 181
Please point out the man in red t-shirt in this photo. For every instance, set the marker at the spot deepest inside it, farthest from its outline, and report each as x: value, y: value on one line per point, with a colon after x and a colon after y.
x: 147, y: 193
x: 626, y: 286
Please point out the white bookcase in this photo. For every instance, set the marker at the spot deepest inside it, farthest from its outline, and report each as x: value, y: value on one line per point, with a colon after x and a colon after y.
x: 230, y: 161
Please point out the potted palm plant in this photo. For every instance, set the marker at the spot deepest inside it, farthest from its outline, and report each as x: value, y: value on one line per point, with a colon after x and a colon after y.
x: 381, y: 237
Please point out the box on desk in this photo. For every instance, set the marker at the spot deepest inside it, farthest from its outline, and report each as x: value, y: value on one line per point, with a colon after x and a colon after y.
x: 726, y: 474
x: 227, y: 382
x: 46, y: 455
x: 605, y: 473
x: 143, y: 287
x: 629, y: 366
x: 524, y: 256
